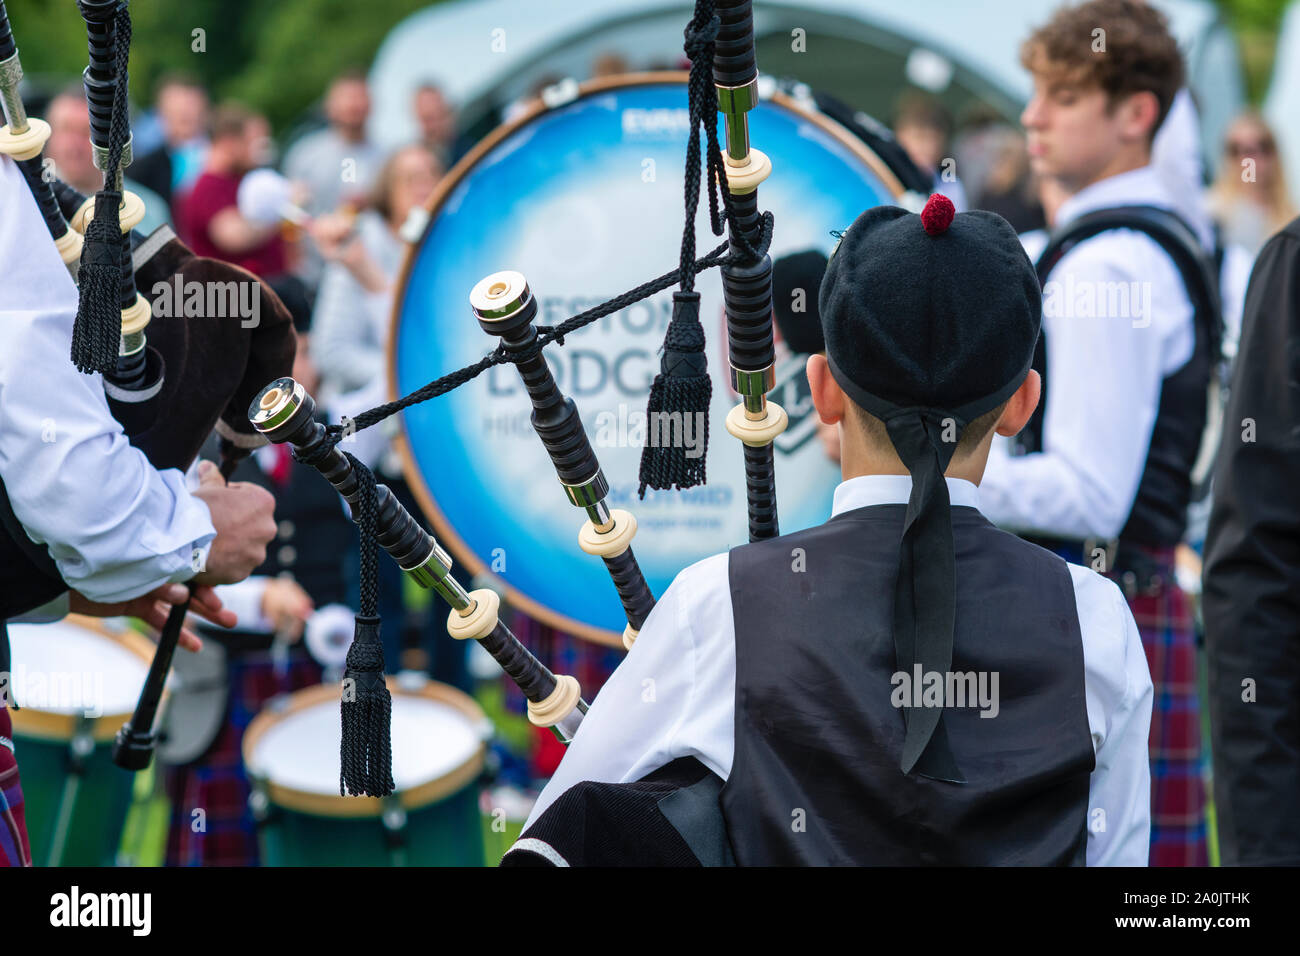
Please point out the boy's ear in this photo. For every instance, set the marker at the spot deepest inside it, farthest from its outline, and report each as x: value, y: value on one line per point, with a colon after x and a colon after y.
x: 1021, y: 405
x: 1141, y: 114
x: 827, y: 397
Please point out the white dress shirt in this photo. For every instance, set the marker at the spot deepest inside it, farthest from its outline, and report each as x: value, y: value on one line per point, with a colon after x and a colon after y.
x: 1176, y: 156
x: 1105, y: 366
x: 116, y: 526
x: 674, y: 695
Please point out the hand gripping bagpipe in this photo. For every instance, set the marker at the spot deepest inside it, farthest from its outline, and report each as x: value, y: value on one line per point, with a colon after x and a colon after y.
x: 168, y: 390
x: 504, y: 307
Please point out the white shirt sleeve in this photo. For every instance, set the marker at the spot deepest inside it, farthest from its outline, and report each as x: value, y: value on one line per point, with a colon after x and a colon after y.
x: 1104, y: 374
x: 672, y: 696
x: 1176, y: 157
x: 1119, y: 695
x: 116, y: 526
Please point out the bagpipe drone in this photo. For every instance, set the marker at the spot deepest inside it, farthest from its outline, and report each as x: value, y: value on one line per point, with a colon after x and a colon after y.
x: 169, y: 387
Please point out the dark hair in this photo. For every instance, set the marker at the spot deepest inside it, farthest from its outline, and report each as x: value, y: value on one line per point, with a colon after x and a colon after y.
x: 177, y: 78
x: 877, y: 434
x: 915, y: 108
x: 1140, y: 54
x: 231, y: 119
x: 353, y: 74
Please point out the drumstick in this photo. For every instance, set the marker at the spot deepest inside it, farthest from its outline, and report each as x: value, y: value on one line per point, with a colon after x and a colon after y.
x: 504, y: 306
x: 284, y: 412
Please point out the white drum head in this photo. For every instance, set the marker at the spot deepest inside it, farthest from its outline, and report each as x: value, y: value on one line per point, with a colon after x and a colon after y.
x: 74, y: 667
x: 300, y: 750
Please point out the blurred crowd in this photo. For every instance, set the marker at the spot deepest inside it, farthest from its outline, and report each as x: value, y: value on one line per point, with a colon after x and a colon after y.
x: 336, y: 261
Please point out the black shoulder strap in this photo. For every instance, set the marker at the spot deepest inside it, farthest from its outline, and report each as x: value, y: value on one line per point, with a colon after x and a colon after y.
x: 1173, y: 235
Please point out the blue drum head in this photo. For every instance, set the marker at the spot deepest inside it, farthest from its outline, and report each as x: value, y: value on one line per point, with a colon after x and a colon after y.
x: 586, y: 200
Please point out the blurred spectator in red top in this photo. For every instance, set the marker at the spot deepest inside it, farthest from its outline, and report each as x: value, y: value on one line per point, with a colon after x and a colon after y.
x: 209, y: 216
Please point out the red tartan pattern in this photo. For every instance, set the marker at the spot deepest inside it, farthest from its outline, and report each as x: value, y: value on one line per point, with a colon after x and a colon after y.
x: 1178, y: 801
x: 217, y: 784
x: 15, y: 849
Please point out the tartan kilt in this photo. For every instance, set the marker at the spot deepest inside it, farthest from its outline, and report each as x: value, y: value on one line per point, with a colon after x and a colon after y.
x: 15, y: 850
x: 217, y: 783
x: 1178, y: 802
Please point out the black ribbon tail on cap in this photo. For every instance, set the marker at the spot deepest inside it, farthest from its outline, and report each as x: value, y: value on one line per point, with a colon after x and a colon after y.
x: 365, y: 754
x: 925, y: 593
x: 679, y: 400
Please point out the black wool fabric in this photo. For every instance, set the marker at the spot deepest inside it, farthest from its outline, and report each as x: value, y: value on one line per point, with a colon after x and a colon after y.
x: 797, y: 281
x: 937, y: 322
x: 930, y: 321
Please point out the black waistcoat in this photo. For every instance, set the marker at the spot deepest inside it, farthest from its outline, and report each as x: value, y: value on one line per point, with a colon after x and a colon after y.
x: 1159, y: 514
x: 816, y: 778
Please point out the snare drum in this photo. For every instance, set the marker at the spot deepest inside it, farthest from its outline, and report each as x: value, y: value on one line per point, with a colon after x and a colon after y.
x: 76, y: 683
x: 291, y: 752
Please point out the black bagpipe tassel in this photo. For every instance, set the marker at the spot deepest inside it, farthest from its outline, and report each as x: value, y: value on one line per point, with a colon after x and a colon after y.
x: 366, y: 753
x: 98, y: 327
x: 679, y: 404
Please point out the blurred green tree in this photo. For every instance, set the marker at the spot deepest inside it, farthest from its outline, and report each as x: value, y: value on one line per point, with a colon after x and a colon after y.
x: 277, y: 57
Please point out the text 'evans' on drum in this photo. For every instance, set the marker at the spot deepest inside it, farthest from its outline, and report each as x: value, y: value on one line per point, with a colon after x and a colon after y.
x: 76, y: 683
x: 585, y: 199
x: 291, y: 751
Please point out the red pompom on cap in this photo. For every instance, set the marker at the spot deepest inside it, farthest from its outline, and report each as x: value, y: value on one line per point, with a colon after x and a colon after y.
x: 937, y: 215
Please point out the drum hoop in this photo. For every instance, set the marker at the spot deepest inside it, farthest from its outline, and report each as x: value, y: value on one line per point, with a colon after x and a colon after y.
x: 442, y: 527
x: 51, y: 726
x: 339, y: 807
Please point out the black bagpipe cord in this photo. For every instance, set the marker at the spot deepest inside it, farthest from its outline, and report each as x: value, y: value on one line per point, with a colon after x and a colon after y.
x: 366, y: 751
x: 98, y: 327
x: 683, y: 385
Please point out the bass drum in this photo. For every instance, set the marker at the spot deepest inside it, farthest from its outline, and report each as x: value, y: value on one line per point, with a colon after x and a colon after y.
x: 585, y: 199
x: 291, y: 751
x: 76, y: 683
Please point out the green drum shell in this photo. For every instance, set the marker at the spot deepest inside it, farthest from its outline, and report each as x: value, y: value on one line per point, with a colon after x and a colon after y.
x: 100, y: 795
x: 446, y: 833
x: 442, y: 822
